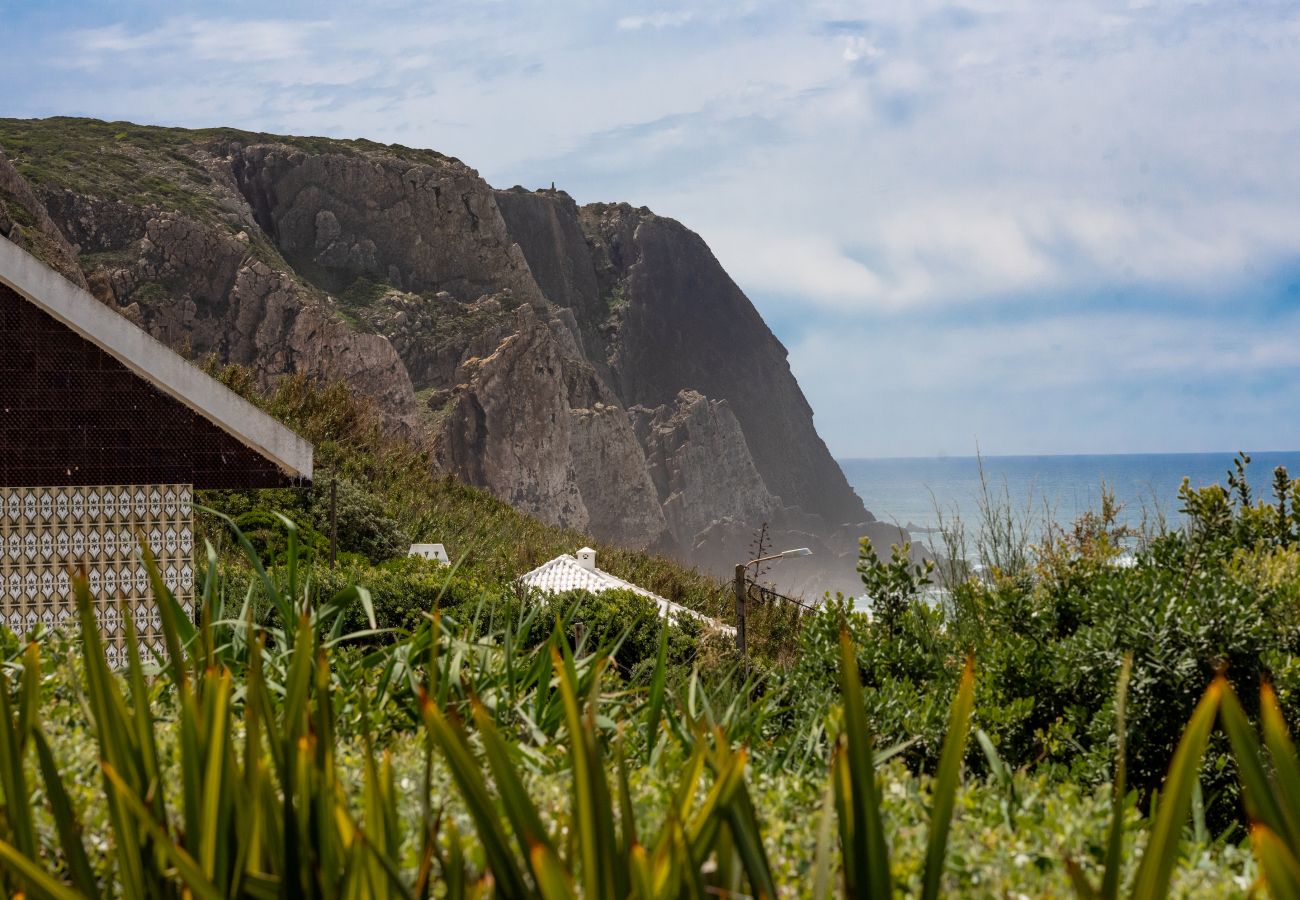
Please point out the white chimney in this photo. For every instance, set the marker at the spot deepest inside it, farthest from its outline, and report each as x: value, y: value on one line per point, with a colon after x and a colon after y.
x: 587, y: 559
x: 429, y: 551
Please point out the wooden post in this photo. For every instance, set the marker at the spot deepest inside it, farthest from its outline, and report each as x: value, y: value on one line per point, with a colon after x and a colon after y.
x: 334, y: 520
x: 740, y: 608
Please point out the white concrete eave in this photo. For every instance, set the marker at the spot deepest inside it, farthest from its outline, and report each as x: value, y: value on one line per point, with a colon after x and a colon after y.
x: 153, y: 361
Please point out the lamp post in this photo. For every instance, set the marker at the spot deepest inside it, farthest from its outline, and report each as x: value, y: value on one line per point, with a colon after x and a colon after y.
x: 741, y: 591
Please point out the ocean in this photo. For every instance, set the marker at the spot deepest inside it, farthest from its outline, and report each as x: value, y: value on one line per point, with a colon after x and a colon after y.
x: 1042, y: 488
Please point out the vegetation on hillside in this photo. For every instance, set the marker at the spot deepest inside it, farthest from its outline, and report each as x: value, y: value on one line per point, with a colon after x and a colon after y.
x: 287, y: 759
x: 149, y: 165
x: 1064, y: 722
x: 388, y: 497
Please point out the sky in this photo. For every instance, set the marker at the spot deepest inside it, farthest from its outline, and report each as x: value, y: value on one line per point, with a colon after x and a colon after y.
x: 1027, y: 227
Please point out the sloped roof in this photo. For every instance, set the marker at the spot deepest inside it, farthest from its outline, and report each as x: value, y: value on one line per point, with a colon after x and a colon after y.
x: 565, y: 573
x: 159, y: 367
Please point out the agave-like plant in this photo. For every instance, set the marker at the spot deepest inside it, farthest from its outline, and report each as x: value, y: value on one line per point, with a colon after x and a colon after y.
x: 606, y: 856
x: 266, y: 814
x: 864, y: 851
x: 1270, y: 781
x: 1156, y: 867
x: 272, y: 820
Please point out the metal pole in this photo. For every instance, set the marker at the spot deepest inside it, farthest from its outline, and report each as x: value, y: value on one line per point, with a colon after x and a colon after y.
x: 334, y: 520
x: 740, y: 608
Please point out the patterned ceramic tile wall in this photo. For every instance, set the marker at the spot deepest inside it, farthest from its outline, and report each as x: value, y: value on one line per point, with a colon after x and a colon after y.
x: 46, y: 533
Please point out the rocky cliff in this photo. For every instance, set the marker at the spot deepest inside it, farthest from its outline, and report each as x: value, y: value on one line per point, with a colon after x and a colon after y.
x: 595, y: 366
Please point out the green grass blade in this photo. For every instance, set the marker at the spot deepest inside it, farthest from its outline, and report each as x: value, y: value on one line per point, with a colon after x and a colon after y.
x: 1286, y: 765
x: 823, y: 863
x: 473, y: 789
x: 284, y: 606
x: 1281, y: 870
x: 297, y: 686
x: 594, y: 824
x: 640, y: 873
x: 1156, y: 868
x: 861, y: 830
x: 519, y: 807
x: 1083, y: 889
x: 17, y: 798
x: 170, y: 616
x: 291, y: 556
x: 748, y: 837
x: 144, y: 725
x: 112, y: 728
x: 186, y: 867
x: 552, y: 878
x: 40, y: 884
x: 215, y: 789
x: 1115, y: 833
x: 65, y: 818
x: 702, y: 831
x: 1257, y: 792
x: 658, y: 681
x: 29, y: 694
x: 626, y: 813
x: 945, y: 785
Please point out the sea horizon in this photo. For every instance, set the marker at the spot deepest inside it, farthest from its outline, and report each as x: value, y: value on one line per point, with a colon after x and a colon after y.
x: 1047, y: 487
x: 974, y: 456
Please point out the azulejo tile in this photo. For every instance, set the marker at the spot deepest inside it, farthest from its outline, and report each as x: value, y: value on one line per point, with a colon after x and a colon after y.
x: 48, y: 534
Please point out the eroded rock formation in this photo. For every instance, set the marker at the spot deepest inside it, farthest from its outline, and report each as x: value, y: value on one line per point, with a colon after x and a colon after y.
x: 595, y: 365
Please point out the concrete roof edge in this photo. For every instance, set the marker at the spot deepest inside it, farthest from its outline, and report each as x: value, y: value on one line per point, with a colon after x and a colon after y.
x: 152, y: 360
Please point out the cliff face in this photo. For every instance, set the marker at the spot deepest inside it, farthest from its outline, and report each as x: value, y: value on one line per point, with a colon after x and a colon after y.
x: 595, y: 366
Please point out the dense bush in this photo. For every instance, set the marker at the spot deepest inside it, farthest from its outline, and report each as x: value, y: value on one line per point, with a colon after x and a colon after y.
x: 289, y: 776
x: 405, y: 591
x: 632, y: 624
x: 365, y: 532
x: 1049, y: 623
x: 1218, y: 595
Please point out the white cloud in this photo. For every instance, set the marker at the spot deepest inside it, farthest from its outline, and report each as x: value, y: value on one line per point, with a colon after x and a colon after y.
x: 655, y: 20
x: 857, y: 48
x: 1071, y: 384
x: 228, y: 41
x: 808, y: 266
x: 857, y: 167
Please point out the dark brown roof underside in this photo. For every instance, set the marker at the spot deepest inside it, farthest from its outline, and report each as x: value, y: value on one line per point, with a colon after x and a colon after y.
x: 72, y: 414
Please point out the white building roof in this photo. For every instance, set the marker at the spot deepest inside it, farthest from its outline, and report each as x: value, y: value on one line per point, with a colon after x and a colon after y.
x: 566, y: 573
x: 152, y: 361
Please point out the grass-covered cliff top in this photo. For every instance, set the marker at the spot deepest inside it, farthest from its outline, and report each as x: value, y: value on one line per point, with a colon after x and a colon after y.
x: 152, y: 165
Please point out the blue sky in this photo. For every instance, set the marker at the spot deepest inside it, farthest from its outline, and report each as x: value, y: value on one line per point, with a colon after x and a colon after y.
x: 1039, y: 226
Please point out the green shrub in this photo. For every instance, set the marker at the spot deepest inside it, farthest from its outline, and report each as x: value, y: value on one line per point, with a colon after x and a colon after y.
x: 406, y: 591
x: 363, y: 528
x: 602, y: 619
x: 1218, y: 595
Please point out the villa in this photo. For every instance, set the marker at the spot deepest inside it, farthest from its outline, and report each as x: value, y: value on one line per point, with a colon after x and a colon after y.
x: 105, y: 434
x: 579, y: 573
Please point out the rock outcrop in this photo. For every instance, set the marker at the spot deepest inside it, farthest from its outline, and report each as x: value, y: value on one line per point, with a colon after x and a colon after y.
x: 217, y: 288
x: 593, y: 365
x: 701, y: 466
x: 25, y: 221
x: 660, y: 315
x: 537, y: 428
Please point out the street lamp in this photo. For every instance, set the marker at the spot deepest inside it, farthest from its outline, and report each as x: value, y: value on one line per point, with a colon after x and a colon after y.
x: 741, y: 592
